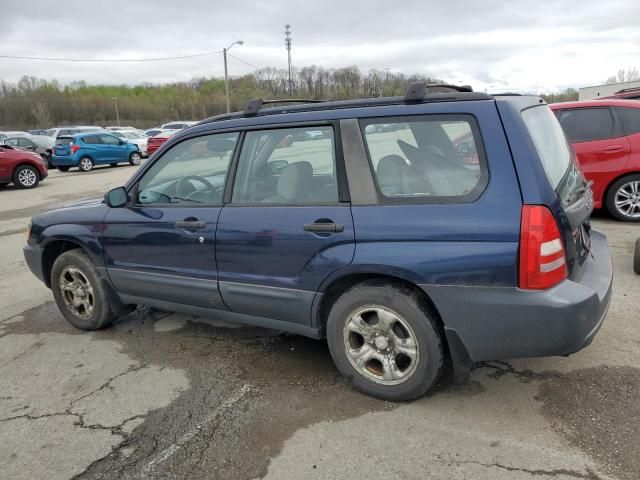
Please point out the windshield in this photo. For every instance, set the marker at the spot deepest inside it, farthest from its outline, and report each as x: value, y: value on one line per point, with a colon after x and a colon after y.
x: 555, y: 153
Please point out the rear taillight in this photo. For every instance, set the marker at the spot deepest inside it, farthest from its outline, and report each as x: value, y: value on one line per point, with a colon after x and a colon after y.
x: 542, y: 258
x: 74, y: 148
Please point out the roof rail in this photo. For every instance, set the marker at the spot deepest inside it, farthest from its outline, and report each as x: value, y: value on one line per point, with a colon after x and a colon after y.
x: 256, y: 104
x: 630, y: 89
x: 416, y: 91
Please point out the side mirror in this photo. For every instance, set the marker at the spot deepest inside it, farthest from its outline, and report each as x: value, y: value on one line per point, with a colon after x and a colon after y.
x: 277, y: 166
x: 116, y: 198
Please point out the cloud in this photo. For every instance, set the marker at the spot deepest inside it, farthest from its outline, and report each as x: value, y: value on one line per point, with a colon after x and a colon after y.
x: 521, y: 45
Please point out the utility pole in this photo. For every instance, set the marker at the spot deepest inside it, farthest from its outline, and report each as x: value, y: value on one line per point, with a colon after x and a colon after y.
x: 287, y: 42
x: 115, y: 103
x: 226, y: 75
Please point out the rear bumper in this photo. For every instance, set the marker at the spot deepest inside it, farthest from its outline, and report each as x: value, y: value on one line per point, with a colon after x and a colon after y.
x: 33, y: 258
x: 493, y: 323
x: 64, y: 161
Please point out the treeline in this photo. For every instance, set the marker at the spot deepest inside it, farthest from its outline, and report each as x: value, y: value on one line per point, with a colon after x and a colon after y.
x: 38, y: 103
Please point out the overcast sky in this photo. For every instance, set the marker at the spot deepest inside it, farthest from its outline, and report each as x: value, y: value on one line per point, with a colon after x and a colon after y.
x: 519, y: 45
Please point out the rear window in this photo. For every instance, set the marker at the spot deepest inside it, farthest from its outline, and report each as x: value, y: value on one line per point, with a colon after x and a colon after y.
x: 551, y: 144
x: 64, y: 141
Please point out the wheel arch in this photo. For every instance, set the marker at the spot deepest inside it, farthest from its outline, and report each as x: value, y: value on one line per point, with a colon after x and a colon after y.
x: 26, y: 164
x: 457, y: 358
x: 55, y: 247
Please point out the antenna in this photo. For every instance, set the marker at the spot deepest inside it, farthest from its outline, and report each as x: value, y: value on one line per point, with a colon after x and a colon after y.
x: 287, y: 42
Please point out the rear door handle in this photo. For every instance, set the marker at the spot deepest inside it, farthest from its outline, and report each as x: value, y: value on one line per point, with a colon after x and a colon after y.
x: 191, y: 225
x: 323, y: 227
x: 612, y: 148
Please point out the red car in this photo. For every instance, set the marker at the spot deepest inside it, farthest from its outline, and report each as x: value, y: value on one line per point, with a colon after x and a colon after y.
x: 605, y: 135
x: 625, y: 93
x: 22, y: 168
x: 154, y: 142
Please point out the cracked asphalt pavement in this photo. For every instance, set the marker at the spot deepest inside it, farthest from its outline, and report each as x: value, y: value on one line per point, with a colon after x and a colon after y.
x: 167, y: 396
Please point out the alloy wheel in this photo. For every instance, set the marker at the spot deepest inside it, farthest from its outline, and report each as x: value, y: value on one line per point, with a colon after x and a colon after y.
x: 77, y: 292
x: 86, y: 164
x: 627, y: 199
x: 27, y: 177
x: 381, y: 345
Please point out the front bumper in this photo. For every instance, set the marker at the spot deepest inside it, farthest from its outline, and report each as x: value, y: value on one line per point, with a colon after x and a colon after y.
x: 33, y: 257
x: 492, y: 323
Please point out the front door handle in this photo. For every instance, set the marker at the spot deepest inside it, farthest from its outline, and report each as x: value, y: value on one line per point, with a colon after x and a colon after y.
x: 612, y: 148
x: 324, y: 227
x: 191, y: 225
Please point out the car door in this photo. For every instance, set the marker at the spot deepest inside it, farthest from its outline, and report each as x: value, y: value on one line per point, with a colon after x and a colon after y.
x: 162, y: 245
x: 599, y: 141
x: 27, y: 144
x: 286, y: 225
x: 93, y: 147
x: 114, y: 150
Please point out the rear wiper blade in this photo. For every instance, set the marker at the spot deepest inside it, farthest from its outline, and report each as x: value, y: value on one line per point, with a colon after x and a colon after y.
x: 580, y: 191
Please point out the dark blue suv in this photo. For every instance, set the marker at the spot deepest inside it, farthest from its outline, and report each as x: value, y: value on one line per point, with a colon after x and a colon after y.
x: 412, y: 232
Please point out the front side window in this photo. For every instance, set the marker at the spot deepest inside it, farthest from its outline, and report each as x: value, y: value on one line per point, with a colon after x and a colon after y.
x: 293, y: 166
x: 432, y: 158
x: 191, y: 172
x: 587, y: 124
x: 109, y: 140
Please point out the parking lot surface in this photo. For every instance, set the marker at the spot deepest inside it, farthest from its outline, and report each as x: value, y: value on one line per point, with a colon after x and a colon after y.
x: 162, y: 395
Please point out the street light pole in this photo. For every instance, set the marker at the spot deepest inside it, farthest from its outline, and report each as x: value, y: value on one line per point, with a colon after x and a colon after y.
x: 115, y: 103
x: 287, y: 42
x: 226, y: 74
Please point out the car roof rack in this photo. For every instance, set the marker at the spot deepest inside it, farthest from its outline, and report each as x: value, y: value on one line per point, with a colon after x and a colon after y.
x: 418, y: 92
x: 256, y: 104
x: 630, y: 89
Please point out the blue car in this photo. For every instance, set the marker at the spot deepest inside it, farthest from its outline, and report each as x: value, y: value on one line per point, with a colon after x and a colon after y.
x: 85, y: 150
x: 364, y: 222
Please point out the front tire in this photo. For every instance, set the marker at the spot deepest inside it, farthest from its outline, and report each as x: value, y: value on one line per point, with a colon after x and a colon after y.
x: 623, y: 198
x: 63, y: 168
x: 134, y: 158
x: 385, y: 340
x: 86, y: 164
x: 26, y: 176
x: 83, y: 297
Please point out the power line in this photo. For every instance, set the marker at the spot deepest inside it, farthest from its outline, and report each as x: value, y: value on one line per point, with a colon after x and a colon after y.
x: 242, y: 61
x: 157, y: 59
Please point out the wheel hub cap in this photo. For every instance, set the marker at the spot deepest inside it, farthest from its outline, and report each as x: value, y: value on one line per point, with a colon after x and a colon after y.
x: 627, y: 199
x: 381, y: 345
x: 77, y: 292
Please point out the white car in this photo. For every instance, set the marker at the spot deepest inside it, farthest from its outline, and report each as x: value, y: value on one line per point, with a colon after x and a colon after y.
x: 177, y: 125
x: 132, y: 136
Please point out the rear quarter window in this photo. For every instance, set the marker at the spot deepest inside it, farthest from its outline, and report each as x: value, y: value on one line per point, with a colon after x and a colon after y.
x: 426, y: 159
x: 550, y: 142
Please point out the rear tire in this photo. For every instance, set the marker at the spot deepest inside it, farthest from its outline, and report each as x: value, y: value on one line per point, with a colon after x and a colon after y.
x: 26, y: 176
x: 83, y: 297
x: 636, y: 258
x: 135, y: 158
x: 63, y: 168
x: 113, y: 164
x: 85, y: 164
x: 397, y: 354
x: 623, y: 198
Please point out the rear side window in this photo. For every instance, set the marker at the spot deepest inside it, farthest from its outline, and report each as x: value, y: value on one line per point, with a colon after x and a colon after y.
x: 91, y: 139
x: 428, y: 158
x: 630, y: 119
x: 550, y: 142
x: 587, y: 124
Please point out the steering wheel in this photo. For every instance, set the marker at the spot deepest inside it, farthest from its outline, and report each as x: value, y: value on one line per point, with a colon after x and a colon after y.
x: 182, y: 192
